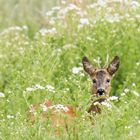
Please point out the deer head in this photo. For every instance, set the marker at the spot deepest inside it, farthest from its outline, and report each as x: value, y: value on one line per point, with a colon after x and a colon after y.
x: 101, y: 78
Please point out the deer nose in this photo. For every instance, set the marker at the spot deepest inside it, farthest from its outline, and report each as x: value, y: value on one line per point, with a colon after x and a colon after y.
x: 100, y: 91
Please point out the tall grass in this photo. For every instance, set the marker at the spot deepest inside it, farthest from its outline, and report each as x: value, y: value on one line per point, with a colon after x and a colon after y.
x: 39, y: 52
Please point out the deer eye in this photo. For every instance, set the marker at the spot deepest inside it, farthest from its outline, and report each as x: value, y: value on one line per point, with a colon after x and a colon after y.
x: 94, y: 81
x: 108, y: 80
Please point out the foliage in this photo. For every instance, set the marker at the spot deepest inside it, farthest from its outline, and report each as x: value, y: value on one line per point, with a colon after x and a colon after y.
x: 42, y: 59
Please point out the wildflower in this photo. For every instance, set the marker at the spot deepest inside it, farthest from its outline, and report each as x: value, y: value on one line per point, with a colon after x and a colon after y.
x: 126, y: 90
x: 82, y: 74
x: 81, y: 13
x: 50, y: 88
x: 63, y: 2
x: 135, y: 93
x: 128, y: 127
x: 37, y: 86
x: 113, y: 18
x: 65, y: 90
x: 89, y: 38
x: 44, y: 107
x: 45, y: 31
x: 10, y: 29
x: 92, y: 6
x: 57, y: 52
x: 134, y: 4
x: 29, y: 89
x: 105, y: 103
x: 10, y: 116
x: 76, y: 70
x: 112, y: 98
x: 84, y: 21
x: 52, y: 21
x: 133, y: 84
x: 56, y: 8
x: 2, y: 94
x: 73, y: 6
x: 25, y: 27
x: 138, y: 63
x: 67, y: 46
x: 49, y: 13
x: 102, y: 3
x: 59, y: 107
x: 70, y: 7
x: 123, y: 94
x: 34, y: 88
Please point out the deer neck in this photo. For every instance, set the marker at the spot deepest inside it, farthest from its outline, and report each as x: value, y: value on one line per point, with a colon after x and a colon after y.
x: 94, y: 108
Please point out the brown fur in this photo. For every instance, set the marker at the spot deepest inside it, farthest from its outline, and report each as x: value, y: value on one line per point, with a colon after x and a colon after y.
x: 101, y: 79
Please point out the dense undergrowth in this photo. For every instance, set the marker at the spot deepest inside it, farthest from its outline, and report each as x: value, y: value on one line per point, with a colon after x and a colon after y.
x: 41, y: 58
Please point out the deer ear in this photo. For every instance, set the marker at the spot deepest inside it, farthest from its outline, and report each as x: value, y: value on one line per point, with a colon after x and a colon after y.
x: 87, y: 66
x: 114, y: 65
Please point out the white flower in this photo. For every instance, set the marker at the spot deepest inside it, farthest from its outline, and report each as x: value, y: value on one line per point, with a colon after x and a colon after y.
x: 105, y: 103
x: 73, y: 6
x: 49, y: 13
x: 89, y: 38
x: 84, y: 21
x: 10, y: 116
x: 70, y: 7
x: 94, y: 5
x: 135, y: 93
x: 34, y: 88
x: 76, y: 70
x: 45, y: 31
x: 56, y: 8
x: 52, y: 21
x: 50, y: 88
x: 102, y: 3
x: 82, y: 74
x: 59, y: 107
x: 111, y: 98
x: 126, y: 90
x: 37, y: 86
x: 2, y: 94
x: 44, y: 107
x: 128, y: 127
x: 25, y: 27
x: 133, y: 84
x: 113, y: 18
x: 138, y: 63
x: 134, y: 4
x: 123, y: 94
x: 63, y: 2
x: 11, y: 29
x: 67, y: 46
x: 30, y: 89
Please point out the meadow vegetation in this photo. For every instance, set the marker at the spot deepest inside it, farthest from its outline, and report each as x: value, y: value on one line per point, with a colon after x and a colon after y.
x: 40, y: 58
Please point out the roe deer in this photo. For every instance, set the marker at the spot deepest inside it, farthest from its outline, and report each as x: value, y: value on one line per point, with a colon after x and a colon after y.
x: 101, y: 79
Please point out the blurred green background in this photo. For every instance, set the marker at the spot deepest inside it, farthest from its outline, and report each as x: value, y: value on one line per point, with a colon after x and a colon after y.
x: 42, y: 44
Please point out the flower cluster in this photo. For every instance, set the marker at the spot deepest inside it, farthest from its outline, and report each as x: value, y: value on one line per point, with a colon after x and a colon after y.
x: 50, y: 88
x: 2, y: 94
